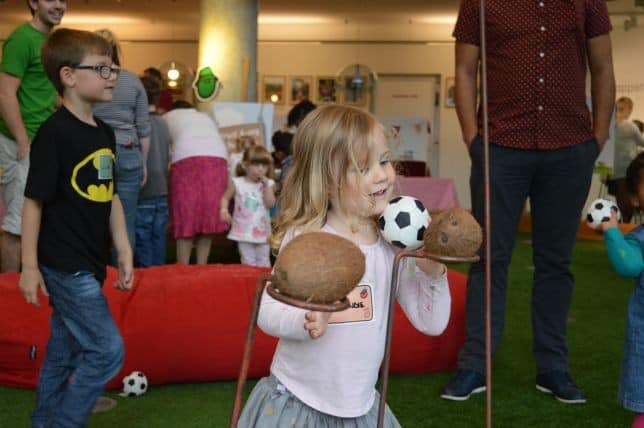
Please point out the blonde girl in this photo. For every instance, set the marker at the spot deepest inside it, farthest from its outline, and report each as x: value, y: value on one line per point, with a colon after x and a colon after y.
x: 254, y: 192
x: 325, y: 367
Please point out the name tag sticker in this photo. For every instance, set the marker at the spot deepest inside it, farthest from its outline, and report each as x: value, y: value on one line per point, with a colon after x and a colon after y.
x: 104, y: 167
x: 361, y: 309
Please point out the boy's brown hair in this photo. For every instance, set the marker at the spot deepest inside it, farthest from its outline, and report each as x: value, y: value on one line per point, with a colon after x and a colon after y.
x: 68, y: 48
x: 31, y: 9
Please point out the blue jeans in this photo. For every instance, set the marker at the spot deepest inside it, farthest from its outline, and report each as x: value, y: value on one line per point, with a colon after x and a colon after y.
x: 129, y: 173
x: 631, y: 385
x: 151, y: 221
x: 85, y: 350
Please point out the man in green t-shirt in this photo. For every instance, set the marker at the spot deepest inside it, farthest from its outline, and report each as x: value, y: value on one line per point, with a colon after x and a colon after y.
x: 27, y: 98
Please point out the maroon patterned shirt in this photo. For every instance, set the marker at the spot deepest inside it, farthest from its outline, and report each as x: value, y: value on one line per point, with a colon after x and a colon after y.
x: 536, y: 58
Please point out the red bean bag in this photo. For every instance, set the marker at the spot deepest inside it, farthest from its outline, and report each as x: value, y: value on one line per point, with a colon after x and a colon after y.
x: 188, y: 324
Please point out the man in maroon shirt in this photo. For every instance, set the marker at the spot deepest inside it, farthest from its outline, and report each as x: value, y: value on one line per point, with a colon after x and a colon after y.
x: 543, y: 145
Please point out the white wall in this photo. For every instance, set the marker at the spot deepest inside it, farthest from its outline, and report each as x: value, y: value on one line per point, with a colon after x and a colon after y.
x: 328, y: 59
x: 628, y: 58
x: 315, y: 59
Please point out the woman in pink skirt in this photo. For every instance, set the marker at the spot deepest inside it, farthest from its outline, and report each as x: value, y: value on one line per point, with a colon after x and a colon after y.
x: 198, y: 179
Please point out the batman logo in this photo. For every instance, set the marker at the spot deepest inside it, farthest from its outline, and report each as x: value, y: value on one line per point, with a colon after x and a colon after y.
x: 92, y: 177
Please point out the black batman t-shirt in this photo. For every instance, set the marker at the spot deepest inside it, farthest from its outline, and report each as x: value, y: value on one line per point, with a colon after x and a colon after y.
x: 71, y: 174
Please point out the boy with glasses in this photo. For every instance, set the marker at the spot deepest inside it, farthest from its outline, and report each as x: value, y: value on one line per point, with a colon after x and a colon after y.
x: 26, y: 100
x: 70, y: 208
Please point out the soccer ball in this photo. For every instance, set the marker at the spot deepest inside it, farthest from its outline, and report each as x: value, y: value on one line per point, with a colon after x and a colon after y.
x: 403, y: 222
x: 134, y: 384
x: 600, y: 211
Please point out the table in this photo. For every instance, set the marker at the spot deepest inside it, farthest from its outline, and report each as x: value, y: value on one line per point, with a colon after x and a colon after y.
x: 435, y: 193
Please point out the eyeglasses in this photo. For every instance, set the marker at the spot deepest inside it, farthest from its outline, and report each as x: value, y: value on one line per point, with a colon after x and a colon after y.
x: 105, y: 71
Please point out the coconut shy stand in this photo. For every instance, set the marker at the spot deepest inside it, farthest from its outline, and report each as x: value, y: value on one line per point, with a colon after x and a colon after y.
x: 390, y: 317
x: 275, y: 287
x: 266, y: 281
x: 315, y: 271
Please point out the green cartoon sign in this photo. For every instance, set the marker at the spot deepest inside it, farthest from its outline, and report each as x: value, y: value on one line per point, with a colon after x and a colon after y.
x: 206, y: 85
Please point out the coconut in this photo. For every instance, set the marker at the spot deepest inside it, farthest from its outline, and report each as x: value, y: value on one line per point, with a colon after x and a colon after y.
x: 454, y: 233
x: 318, y: 267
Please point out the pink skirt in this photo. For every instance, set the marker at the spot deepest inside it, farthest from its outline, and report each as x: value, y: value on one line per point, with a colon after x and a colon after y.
x: 196, y: 186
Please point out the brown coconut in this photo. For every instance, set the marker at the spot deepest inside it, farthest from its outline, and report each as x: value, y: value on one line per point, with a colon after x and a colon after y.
x: 454, y: 233
x: 318, y: 267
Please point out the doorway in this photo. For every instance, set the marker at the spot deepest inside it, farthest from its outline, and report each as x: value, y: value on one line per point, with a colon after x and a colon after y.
x: 408, y: 107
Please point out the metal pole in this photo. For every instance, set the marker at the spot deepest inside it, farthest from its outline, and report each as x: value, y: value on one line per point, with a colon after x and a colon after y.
x: 248, y: 348
x: 487, y: 231
x: 390, y: 324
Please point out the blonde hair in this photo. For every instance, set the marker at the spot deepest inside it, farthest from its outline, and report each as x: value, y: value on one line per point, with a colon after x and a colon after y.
x: 256, y: 154
x: 114, y: 42
x: 329, y: 141
x: 626, y: 101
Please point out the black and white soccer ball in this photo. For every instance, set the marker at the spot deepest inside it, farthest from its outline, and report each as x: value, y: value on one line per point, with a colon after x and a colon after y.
x: 600, y: 211
x: 403, y: 222
x: 134, y: 384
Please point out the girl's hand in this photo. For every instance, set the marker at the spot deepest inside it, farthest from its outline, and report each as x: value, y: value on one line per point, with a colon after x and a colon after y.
x: 30, y: 281
x: 224, y: 215
x: 316, y: 323
x: 431, y: 267
x: 610, y: 223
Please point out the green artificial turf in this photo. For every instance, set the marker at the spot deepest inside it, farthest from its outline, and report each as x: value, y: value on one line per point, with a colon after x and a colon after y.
x: 597, y: 322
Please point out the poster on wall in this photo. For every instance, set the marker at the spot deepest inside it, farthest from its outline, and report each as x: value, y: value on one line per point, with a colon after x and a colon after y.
x: 408, y: 137
x: 326, y: 92
x: 300, y: 88
x: 274, y: 89
x: 242, y: 125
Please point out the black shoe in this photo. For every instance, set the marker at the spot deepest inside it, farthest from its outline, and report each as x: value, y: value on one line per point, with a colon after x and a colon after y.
x: 561, y: 385
x: 464, y: 382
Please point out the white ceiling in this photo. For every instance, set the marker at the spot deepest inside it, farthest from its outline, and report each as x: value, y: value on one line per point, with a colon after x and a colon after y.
x: 279, y: 20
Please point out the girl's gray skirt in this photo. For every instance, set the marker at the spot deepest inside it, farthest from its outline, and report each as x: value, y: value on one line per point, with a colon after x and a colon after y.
x: 271, y: 405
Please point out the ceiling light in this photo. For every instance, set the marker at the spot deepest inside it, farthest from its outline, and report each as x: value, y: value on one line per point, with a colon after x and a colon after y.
x: 293, y: 19
x: 173, y: 72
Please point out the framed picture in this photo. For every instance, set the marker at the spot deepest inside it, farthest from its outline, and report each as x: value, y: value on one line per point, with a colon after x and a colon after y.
x: 326, y: 90
x: 300, y: 88
x: 450, y: 92
x: 274, y: 89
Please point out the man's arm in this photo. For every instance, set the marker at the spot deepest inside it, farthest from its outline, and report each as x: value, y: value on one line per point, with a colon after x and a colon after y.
x: 602, y: 85
x: 467, y: 61
x: 10, y: 111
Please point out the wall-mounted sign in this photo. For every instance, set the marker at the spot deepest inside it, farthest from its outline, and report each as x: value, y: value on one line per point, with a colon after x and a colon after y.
x: 206, y: 85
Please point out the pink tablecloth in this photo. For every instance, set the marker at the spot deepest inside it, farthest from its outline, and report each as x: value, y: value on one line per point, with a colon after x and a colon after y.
x: 435, y: 193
